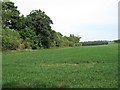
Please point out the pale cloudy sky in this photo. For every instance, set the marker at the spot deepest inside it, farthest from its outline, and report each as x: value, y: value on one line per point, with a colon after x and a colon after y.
x: 89, y: 19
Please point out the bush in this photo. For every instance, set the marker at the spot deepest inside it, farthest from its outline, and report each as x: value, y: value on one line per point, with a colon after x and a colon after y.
x: 21, y: 47
x: 71, y: 44
x: 78, y: 44
x: 27, y: 43
x: 10, y: 39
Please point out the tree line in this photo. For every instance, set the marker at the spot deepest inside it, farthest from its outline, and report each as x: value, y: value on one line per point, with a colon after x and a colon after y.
x: 32, y: 31
x: 117, y: 41
x: 90, y: 43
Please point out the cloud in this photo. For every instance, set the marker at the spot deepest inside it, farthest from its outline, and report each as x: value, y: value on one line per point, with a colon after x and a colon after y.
x: 68, y: 14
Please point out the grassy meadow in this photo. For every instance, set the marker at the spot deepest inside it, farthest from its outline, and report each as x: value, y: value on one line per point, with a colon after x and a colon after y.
x: 75, y: 67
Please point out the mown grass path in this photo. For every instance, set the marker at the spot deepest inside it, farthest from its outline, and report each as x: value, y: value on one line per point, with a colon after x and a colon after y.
x: 77, y: 67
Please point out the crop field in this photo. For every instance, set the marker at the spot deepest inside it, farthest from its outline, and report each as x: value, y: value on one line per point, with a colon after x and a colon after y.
x: 75, y: 67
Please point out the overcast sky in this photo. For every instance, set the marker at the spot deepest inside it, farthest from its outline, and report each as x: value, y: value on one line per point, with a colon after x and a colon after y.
x: 89, y: 19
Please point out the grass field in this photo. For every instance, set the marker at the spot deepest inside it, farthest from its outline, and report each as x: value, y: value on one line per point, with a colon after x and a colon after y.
x: 77, y: 67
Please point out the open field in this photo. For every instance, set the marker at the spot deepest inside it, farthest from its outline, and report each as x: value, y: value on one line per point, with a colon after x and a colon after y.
x: 77, y: 67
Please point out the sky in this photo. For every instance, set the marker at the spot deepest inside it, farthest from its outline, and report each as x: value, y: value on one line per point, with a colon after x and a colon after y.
x: 89, y: 19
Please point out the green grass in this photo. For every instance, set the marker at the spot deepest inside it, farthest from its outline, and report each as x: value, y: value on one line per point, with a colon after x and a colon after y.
x: 77, y: 67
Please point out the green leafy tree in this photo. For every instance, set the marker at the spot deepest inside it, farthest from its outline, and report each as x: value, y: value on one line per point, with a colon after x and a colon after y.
x: 73, y: 40
x: 117, y: 41
x: 40, y: 22
x: 10, y: 15
x: 33, y: 31
x: 21, y: 24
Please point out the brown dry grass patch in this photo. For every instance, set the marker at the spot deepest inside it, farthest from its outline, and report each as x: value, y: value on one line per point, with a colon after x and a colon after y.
x: 71, y: 64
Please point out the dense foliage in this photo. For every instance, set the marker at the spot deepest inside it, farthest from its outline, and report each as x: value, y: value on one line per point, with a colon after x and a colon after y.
x: 117, y: 41
x: 94, y: 43
x: 10, y: 39
x: 31, y: 32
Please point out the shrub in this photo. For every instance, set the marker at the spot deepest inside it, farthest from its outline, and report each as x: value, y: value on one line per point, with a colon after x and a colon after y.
x: 21, y: 47
x: 10, y: 39
x: 78, y: 44
x: 71, y: 44
x: 27, y: 43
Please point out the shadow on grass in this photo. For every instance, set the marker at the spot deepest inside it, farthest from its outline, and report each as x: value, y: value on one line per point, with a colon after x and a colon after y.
x: 36, y: 84
x: 12, y: 85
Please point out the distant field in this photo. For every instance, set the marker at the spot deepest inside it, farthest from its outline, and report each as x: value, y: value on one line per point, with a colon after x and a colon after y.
x: 77, y: 67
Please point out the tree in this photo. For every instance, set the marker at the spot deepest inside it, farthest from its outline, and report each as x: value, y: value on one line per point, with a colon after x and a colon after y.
x: 10, y: 15
x: 21, y: 24
x: 117, y: 41
x: 40, y: 23
x: 73, y: 40
x: 34, y: 30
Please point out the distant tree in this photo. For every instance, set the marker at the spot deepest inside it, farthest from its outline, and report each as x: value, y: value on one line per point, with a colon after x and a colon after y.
x: 58, y: 39
x: 117, y: 41
x: 73, y: 40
